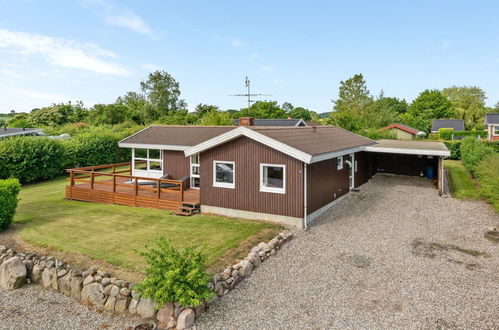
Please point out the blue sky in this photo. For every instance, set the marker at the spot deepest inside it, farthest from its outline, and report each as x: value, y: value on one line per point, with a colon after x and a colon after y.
x: 297, y: 51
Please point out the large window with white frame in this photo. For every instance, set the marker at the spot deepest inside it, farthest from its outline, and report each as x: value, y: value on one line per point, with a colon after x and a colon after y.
x: 273, y: 178
x: 339, y: 163
x: 224, y: 174
x: 194, y: 171
x: 147, y: 162
x: 495, y: 130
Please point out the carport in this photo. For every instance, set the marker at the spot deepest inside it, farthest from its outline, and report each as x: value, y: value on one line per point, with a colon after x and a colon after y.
x: 417, y: 158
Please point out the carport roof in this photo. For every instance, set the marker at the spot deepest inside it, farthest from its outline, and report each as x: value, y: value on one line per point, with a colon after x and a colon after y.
x: 410, y: 147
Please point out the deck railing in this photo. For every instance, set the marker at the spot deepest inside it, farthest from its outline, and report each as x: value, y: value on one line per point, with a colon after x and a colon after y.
x: 93, y: 176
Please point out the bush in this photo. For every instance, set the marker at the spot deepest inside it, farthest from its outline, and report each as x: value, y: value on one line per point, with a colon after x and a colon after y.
x: 454, y: 148
x: 173, y: 276
x: 473, y: 151
x: 9, y: 189
x: 449, y: 135
x: 487, y: 172
x: 443, y: 131
x: 376, y: 134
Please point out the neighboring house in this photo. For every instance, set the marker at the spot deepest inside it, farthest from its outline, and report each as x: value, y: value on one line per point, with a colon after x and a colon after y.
x: 402, y: 132
x: 290, y: 122
x: 7, y: 131
x: 492, y: 126
x: 283, y: 174
x: 455, y: 124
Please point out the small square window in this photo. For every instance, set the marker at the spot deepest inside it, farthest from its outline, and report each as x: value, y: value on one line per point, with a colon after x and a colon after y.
x: 272, y: 178
x: 339, y: 163
x: 224, y: 174
x: 496, y: 130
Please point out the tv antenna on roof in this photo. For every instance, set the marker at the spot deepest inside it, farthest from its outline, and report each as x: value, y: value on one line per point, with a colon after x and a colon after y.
x: 248, y: 94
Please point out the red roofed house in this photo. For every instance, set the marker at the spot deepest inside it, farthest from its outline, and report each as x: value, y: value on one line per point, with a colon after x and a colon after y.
x: 402, y: 132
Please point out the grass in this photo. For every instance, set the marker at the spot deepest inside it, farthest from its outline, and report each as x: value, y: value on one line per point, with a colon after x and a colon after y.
x: 113, y: 233
x: 462, y: 184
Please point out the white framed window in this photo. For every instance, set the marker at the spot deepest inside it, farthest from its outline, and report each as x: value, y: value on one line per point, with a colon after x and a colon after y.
x: 273, y: 178
x: 339, y: 163
x: 224, y: 174
x: 194, y: 171
x: 147, y: 162
x: 495, y: 130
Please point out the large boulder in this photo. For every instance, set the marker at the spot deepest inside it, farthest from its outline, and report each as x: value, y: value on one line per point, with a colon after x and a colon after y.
x: 246, y: 268
x: 122, y: 303
x: 76, y: 287
x: 64, y: 284
x: 36, y: 274
x: 94, y: 294
x: 186, y: 319
x: 165, y: 313
x: 12, y: 273
x: 146, y: 308
x: 47, y: 277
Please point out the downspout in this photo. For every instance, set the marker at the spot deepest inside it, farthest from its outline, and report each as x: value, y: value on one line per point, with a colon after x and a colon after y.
x: 305, y: 196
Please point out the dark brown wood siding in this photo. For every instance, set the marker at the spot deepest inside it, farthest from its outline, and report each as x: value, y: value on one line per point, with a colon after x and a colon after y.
x: 364, y: 168
x: 325, y: 183
x: 175, y: 164
x: 247, y: 155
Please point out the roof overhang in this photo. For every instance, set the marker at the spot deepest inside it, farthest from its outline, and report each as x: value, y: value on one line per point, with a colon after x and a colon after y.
x: 408, y: 151
x: 153, y: 146
x: 21, y: 132
x: 334, y: 154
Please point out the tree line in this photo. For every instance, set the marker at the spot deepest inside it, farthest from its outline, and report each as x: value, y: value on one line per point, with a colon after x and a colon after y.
x: 356, y: 109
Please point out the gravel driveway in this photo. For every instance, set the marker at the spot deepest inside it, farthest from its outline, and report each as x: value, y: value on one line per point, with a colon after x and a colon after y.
x: 34, y: 307
x: 398, y: 256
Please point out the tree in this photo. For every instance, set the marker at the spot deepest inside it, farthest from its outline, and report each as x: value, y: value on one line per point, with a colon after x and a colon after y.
x: 109, y: 114
x: 288, y: 107
x: 384, y: 111
x: 429, y: 105
x: 203, y: 109
x: 216, y: 118
x: 163, y: 93
x: 301, y: 113
x: 468, y: 103
x: 3, y: 123
x: 181, y: 117
x: 353, y: 102
x: 58, y: 114
x: 20, y: 120
x: 263, y: 110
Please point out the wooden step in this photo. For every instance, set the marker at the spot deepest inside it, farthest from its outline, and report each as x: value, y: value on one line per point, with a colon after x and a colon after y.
x: 186, y: 214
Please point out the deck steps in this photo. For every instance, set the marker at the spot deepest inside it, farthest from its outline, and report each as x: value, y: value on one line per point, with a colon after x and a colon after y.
x: 188, y: 209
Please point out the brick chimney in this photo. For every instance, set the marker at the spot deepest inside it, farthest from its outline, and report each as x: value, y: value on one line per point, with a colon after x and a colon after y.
x: 246, y: 121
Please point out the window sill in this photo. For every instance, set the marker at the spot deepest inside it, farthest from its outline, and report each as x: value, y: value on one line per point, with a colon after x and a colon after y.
x: 224, y: 185
x: 272, y: 190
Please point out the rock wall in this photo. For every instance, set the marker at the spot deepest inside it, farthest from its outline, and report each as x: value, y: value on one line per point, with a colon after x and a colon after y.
x: 101, y: 289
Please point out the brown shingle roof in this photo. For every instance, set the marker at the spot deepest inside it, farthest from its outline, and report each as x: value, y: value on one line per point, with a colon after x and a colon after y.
x: 176, y: 135
x: 315, y: 140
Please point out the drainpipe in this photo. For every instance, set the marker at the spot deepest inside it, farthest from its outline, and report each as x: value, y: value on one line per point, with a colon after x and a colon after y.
x: 305, y: 196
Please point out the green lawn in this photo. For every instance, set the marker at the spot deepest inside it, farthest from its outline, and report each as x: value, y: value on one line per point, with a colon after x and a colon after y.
x: 462, y: 184
x: 112, y: 233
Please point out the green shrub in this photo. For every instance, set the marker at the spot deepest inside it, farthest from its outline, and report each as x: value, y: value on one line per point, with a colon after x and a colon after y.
x: 442, y: 131
x: 449, y: 135
x: 454, y: 148
x: 473, y: 151
x: 433, y: 136
x: 487, y: 172
x: 174, y: 276
x: 9, y: 189
x: 376, y: 134
x: 30, y: 158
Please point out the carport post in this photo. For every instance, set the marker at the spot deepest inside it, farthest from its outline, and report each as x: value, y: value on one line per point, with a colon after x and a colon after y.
x: 440, y: 175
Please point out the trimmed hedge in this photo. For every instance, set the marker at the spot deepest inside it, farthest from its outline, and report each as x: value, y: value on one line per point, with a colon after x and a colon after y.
x: 473, y: 151
x: 487, y: 172
x: 39, y: 158
x: 9, y: 189
x: 448, y: 135
x: 454, y: 148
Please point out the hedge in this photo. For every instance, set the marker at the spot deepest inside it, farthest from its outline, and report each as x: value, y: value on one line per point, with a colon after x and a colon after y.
x: 9, y: 189
x: 473, y: 151
x: 487, y: 172
x: 39, y: 158
x: 449, y: 135
x: 454, y: 148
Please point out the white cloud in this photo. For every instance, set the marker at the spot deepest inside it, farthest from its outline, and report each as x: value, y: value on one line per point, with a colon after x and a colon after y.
x: 266, y: 68
x: 236, y: 43
x: 254, y: 56
x: 122, y: 17
x: 62, y: 52
x: 130, y: 21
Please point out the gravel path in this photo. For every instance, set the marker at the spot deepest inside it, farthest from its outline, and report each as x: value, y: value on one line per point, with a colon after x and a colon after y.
x: 33, y: 307
x: 398, y: 257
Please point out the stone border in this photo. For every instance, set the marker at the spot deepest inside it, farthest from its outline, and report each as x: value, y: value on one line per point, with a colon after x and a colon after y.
x: 101, y: 289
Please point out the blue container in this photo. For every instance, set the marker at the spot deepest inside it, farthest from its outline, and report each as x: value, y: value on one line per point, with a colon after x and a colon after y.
x: 430, y: 172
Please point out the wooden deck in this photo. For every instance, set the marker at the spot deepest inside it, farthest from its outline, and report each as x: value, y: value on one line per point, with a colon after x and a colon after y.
x: 91, y: 184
